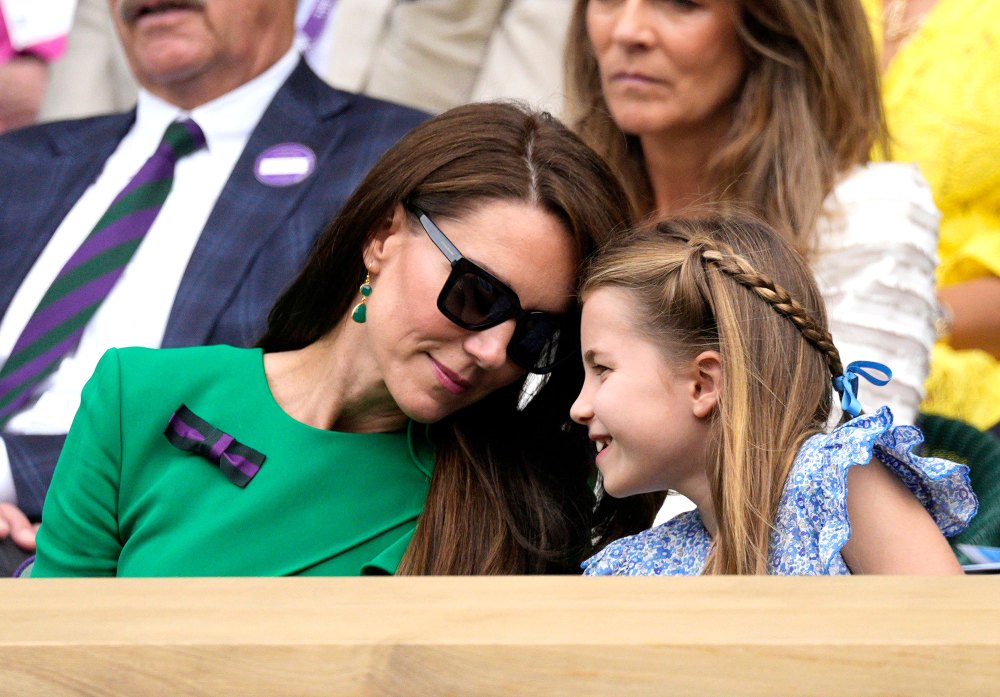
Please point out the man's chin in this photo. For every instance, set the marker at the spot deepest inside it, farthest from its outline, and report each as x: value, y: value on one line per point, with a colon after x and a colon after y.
x: 165, y: 63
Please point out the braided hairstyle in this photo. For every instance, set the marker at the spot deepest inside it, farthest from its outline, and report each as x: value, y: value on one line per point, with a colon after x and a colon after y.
x: 728, y: 261
x: 730, y: 283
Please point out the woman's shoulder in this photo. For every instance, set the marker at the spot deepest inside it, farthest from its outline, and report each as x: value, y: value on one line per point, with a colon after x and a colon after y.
x: 191, y: 359
x: 144, y: 371
x: 886, y: 205
x: 899, y: 183
x: 678, y: 547
x: 895, y: 179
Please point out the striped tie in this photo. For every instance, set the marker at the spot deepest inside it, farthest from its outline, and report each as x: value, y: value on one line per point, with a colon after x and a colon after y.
x: 58, y: 322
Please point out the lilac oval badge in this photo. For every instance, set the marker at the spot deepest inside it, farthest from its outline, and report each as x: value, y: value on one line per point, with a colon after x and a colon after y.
x: 284, y: 164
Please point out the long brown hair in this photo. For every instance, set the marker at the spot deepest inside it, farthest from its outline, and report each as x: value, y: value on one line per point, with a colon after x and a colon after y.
x: 809, y: 109
x: 731, y: 284
x: 511, y: 490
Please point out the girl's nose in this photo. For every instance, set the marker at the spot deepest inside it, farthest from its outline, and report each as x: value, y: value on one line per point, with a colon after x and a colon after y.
x: 581, y: 411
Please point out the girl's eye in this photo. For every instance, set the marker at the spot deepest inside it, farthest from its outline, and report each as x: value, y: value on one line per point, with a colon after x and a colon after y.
x: 599, y: 370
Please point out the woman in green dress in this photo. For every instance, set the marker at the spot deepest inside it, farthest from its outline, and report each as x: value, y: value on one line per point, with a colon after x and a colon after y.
x: 384, y: 424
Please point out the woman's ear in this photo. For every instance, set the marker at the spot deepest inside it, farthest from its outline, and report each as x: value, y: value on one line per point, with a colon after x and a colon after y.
x: 383, y: 243
x: 706, y: 387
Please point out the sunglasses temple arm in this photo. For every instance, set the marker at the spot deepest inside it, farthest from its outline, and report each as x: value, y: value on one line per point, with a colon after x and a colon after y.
x: 438, y: 238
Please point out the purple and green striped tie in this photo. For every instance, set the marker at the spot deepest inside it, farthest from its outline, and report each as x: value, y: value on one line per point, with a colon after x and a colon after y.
x: 84, y: 282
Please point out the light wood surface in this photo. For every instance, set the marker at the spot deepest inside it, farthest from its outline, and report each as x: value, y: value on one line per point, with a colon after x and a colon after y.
x: 501, y: 636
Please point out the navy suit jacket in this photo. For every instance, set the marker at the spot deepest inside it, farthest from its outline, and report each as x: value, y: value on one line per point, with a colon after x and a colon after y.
x: 253, y: 244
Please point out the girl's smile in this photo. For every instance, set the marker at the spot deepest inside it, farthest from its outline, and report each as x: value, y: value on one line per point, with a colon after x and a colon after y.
x: 637, y: 405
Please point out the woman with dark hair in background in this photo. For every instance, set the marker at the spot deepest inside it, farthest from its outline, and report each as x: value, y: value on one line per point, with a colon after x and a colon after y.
x: 773, y: 106
x: 449, y: 275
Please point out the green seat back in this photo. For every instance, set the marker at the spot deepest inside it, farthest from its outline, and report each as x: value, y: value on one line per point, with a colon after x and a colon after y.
x: 958, y: 441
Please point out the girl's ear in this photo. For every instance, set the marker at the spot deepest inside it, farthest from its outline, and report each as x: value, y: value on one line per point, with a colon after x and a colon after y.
x: 383, y: 243
x: 706, y: 388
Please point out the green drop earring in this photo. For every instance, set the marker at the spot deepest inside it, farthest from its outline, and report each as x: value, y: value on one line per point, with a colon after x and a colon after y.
x: 360, y: 312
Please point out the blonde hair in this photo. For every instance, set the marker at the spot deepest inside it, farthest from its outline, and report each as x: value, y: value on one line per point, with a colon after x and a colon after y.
x: 731, y: 284
x: 809, y: 109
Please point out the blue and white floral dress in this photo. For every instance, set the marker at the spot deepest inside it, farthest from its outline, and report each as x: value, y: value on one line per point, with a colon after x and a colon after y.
x: 811, y: 526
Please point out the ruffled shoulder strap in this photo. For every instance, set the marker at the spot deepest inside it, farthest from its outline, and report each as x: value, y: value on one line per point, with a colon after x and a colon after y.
x: 818, y: 480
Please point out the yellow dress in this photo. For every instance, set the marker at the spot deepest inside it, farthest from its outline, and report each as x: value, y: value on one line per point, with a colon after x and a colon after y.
x: 942, y: 102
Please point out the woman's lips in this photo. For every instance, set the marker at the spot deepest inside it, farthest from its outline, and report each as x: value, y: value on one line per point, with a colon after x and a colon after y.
x: 450, y: 380
x: 629, y: 78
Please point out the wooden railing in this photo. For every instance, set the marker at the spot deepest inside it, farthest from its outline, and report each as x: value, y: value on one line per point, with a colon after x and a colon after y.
x: 501, y: 636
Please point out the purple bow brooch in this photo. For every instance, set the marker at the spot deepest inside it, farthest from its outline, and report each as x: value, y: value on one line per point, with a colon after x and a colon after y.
x: 193, y: 434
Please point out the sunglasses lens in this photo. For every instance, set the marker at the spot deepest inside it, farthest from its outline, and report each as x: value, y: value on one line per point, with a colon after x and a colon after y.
x: 475, y: 301
x: 539, y: 343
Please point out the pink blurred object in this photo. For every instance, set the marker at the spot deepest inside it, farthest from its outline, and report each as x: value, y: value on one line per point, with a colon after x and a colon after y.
x: 46, y: 50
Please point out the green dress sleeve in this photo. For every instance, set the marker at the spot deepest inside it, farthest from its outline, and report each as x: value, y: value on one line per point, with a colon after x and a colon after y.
x: 79, y: 532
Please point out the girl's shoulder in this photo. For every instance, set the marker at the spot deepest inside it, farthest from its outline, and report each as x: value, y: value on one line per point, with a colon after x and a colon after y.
x: 941, y: 485
x: 678, y: 547
x: 812, y: 524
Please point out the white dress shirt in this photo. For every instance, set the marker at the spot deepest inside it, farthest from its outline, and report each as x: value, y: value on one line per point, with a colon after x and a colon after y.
x: 875, y: 266
x: 135, y: 312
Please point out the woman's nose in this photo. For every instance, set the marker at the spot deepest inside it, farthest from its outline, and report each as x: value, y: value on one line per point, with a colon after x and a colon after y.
x: 489, y: 346
x: 631, y: 26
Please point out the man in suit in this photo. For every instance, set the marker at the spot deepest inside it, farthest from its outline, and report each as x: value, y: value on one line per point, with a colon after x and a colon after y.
x: 282, y: 152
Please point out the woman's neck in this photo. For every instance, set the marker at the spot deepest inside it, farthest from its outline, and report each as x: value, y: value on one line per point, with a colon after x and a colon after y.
x: 677, y: 163
x: 333, y: 384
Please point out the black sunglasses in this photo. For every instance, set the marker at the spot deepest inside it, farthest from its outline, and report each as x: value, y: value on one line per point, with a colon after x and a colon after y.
x: 475, y: 299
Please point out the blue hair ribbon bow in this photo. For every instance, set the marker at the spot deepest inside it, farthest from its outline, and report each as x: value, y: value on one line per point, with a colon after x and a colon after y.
x: 847, y: 384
